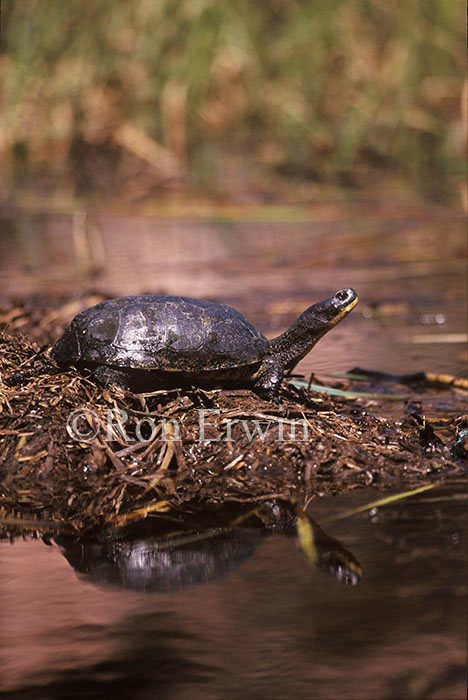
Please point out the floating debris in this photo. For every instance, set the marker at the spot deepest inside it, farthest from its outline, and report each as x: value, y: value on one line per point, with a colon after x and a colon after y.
x: 81, y: 456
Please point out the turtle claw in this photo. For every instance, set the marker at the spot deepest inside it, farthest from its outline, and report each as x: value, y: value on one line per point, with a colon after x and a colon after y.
x: 268, y: 383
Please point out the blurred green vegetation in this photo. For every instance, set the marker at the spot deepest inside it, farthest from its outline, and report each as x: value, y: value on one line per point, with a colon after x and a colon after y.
x: 310, y: 88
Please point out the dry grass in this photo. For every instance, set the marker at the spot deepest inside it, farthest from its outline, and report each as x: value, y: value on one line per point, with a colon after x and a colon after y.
x: 109, y: 96
x: 48, y: 475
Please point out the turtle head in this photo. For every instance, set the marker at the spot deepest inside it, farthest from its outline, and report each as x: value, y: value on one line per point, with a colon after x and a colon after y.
x: 321, y: 317
x: 312, y: 324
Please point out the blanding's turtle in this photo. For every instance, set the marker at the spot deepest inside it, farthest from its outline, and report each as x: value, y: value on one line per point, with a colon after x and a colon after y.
x: 144, y: 343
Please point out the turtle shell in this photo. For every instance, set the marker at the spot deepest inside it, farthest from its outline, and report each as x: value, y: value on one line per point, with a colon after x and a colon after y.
x: 161, y: 333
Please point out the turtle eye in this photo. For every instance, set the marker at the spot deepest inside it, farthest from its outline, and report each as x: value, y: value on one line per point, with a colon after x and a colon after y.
x: 345, y: 295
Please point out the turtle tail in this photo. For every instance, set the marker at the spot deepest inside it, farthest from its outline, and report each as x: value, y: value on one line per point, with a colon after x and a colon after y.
x: 66, y: 350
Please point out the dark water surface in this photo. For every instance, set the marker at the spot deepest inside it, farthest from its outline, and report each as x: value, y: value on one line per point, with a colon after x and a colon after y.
x: 274, y: 627
x: 407, y: 263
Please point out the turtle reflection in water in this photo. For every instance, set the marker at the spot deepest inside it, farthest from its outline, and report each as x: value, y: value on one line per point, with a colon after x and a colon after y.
x: 145, y: 343
x: 167, y: 564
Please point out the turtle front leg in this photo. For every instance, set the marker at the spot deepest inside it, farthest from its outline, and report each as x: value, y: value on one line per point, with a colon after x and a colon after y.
x: 267, y: 383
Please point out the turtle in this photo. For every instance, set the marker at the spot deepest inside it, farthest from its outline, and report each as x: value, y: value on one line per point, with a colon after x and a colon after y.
x: 158, y: 562
x: 145, y: 343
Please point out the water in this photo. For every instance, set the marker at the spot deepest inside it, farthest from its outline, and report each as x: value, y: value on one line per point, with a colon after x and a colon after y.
x: 407, y: 264
x: 272, y: 626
